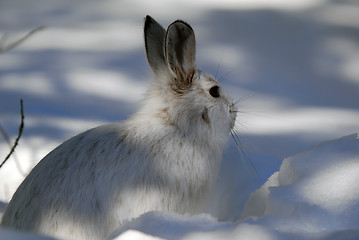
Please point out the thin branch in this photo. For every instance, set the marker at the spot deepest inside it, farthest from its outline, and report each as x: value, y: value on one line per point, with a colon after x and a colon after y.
x: 8, y: 141
x: 4, y: 48
x: 21, y: 127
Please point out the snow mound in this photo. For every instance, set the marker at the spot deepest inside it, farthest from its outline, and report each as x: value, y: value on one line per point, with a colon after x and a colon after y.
x: 11, y: 235
x: 171, y: 225
x: 135, y: 235
x: 313, y: 192
x: 203, y: 226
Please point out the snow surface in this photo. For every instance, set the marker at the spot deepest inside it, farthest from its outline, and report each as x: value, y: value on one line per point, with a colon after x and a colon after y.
x: 295, y: 64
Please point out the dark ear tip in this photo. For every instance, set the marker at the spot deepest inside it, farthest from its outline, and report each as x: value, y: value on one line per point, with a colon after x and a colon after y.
x: 148, y: 18
x: 180, y: 22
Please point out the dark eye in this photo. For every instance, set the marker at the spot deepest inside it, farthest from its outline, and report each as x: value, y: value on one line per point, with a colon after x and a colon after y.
x: 214, y: 91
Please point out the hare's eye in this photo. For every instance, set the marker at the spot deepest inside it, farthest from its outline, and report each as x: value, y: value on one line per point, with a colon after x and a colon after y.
x: 214, y: 91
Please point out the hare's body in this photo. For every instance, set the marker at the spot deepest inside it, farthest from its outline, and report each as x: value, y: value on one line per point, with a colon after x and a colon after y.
x: 165, y: 157
x: 99, y: 172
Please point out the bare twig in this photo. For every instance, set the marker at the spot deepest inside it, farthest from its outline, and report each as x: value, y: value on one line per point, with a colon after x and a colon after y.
x: 8, y: 141
x: 21, y: 127
x: 10, y: 46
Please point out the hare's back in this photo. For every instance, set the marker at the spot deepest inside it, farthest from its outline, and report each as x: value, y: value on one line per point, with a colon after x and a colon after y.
x: 73, y: 179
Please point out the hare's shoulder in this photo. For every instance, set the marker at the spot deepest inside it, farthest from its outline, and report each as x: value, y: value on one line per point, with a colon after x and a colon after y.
x: 85, y: 148
x: 77, y: 162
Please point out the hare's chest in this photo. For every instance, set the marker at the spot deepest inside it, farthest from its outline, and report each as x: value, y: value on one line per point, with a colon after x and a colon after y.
x: 188, y: 169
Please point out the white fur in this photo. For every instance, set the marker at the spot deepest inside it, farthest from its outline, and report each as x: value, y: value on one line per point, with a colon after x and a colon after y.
x: 165, y: 157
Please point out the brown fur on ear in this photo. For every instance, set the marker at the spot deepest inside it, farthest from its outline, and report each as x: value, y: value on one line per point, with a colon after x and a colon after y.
x: 180, y: 51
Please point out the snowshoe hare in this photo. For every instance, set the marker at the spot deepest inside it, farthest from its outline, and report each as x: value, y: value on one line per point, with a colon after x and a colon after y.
x: 163, y: 158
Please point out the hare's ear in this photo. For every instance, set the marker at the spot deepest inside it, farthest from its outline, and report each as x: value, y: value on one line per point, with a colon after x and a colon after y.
x: 180, y: 51
x: 154, y: 43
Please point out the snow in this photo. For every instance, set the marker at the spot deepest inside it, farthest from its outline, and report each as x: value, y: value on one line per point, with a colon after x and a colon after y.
x: 6, y: 234
x: 294, y: 62
x: 314, y: 191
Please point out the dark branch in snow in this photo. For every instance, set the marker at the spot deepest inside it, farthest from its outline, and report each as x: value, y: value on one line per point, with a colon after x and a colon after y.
x: 5, y: 48
x: 21, y: 127
x: 8, y: 141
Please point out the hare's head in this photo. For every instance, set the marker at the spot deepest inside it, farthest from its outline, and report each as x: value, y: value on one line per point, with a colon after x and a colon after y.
x: 180, y: 94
